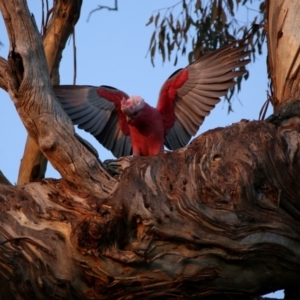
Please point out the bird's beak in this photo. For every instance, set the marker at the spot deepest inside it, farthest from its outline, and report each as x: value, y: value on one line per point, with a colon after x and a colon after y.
x: 128, y: 119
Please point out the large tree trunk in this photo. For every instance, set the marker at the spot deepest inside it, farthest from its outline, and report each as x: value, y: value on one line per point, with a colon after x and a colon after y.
x: 64, y: 16
x: 220, y: 216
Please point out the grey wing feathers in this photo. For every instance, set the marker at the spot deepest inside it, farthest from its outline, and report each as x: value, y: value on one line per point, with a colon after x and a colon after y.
x: 95, y: 115
x: 177, y: 136
x: 209, y: 78
x: 112, y: 133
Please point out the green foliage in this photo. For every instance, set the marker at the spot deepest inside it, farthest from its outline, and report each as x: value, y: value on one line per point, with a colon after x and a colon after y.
x: 202, y: 26
x: 195, y: 27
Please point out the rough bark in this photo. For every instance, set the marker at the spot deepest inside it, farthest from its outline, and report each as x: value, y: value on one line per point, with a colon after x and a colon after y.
x: 3, y: 83
x: 64, y: 16
x: 219, y: 217
x: 207, y: 219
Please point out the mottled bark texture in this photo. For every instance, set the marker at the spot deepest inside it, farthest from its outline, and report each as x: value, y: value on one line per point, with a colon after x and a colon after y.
x: 219, y: 218
x: 207, y: 219
x: 64, y: 16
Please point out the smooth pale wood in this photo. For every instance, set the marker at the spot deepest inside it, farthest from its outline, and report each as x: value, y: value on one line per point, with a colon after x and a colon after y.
x: 33, y: 163
x: 42, y: 116
x: 284, y: 49
x: 61, y: 25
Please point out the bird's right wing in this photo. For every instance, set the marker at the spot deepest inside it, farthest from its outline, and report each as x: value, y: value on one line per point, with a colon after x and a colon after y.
x: 97, y: 111
x: 189, y: 95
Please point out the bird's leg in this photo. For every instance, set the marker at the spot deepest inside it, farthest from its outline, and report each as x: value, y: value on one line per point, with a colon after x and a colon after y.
x: 115, y: 167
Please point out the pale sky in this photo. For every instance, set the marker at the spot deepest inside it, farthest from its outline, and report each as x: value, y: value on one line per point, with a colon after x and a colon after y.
x: 111, y: 50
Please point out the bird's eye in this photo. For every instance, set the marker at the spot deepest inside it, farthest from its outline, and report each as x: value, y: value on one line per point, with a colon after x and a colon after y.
x: 135, y: 113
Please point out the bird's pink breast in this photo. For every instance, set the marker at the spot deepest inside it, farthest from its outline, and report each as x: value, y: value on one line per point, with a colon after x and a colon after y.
x: 147, y: 132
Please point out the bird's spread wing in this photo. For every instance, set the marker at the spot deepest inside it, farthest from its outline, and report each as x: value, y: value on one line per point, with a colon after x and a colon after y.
x: 189, y: 95
x: 97, y: 111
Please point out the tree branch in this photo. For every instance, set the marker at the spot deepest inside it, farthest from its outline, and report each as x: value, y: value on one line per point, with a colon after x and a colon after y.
x: 64, y: 16
x: 115, y: 8
x: 219, y: 217
x: 283, y: 50
x: 3, y: 65
x: 42, y: 116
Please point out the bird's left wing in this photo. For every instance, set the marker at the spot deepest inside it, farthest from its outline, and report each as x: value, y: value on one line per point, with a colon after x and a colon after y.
x: 189, y: 95
x: 97, y: 111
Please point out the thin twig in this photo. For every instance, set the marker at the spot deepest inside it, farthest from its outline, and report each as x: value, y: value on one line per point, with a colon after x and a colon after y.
x: 43, y: 17
x: 74, y: 58
x: 264, y: 108
x: 103, y: 7
x: 167, y: 8
x: 49, y: 12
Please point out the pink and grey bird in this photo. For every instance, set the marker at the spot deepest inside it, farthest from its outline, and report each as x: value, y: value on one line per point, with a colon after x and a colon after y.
x: 128, y: 125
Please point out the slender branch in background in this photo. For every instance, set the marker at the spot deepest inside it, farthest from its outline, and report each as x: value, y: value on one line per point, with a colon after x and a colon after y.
x: 167, y: 8
x: 103, y: 7
x: 264, y: 109
x: 45, y: 20
x: 74, y: 57
x: 43, y: 17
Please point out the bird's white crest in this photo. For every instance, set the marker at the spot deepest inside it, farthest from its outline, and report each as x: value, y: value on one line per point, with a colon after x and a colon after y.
x: 132, y: 104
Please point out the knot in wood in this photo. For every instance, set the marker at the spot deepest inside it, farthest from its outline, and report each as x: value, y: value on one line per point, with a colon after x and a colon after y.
x: 15, y: 69
x: 95, y: 230
x: 47, y: 141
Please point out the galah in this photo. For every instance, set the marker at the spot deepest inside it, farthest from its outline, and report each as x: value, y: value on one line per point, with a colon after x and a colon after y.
x: 128, y: 125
